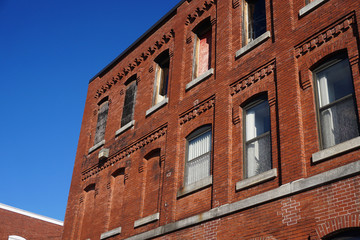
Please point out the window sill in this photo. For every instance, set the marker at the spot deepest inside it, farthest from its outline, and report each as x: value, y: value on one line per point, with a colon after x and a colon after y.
x: 124, y: 128
x: 311, y: 6
x: 110, y: 233
x: 256, y: 180
x: 203, y: 183
x: 199, y: 79
x: 156, y: 107
x: 96, y: 146
x: 336, y: 150
x: 146, y: 220
x: 262, y: 38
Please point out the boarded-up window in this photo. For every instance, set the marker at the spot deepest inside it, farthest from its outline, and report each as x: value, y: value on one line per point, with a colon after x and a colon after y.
x: 117, y: 198
x: 152, y: 183
x: 129, y: 103
x: 87, y: 223
x: 202, y: 49
x: 198, y: 155
x: 162, y: 77
x: 101, y: 121
x: 254, y: 19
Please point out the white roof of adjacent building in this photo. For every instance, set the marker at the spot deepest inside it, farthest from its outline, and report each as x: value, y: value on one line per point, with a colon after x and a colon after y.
x: 30, y: 214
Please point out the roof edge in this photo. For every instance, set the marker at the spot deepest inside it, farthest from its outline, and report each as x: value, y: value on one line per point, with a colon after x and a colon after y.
x: 30, y: 214
x: 160, y: 22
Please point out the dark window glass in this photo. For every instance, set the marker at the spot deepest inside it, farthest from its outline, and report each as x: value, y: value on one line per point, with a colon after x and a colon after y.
x: 254, y: 19
x: 129, y: 104
x: 337, y: 112
x: 101, y: 122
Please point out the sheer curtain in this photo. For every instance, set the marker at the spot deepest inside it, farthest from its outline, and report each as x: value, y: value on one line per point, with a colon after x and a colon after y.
x: 338, y: 120
x: 198, y: 165
x: 257, y: 137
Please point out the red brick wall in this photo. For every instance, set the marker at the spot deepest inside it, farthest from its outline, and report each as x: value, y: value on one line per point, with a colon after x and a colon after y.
x: 12, y: 223
x: 279, y: 67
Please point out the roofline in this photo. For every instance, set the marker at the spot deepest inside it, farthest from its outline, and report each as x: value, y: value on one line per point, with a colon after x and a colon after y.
x: 30, y: 214
x: 141, y: 38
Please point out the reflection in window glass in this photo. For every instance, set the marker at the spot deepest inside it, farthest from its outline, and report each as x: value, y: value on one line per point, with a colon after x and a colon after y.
x: 338, y: 120
x: 257, y: 137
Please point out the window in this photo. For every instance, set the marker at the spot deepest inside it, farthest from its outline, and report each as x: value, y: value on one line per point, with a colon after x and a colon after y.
x: 198, y: 155
x: 347, y: 234
x: 257, y: 138
x: 129, y: 103
x: 101, y: 121
x: 337, y: 115
x: 161, y: 77
x: 202, y: 48
x: 14, y: 237
x: 254, y: 21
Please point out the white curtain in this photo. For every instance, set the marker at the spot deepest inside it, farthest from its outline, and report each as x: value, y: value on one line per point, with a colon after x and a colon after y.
x: 326, y: 96
x: 257, y: 137
x: 198, y: 165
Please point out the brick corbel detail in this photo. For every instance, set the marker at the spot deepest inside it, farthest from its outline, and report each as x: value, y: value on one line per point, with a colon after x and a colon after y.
x: 197, y: 110
x: 331, y: 32
x: 338, y: 223
x: 136, y: 62
x: 126, y: 151
x: 252, y: 78
x: 199, y: 11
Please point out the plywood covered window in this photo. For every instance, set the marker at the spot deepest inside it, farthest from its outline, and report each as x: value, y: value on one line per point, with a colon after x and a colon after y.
x: 151, y: 186
x: 257, y: 137
x: 129, y: 102
x: 116, y: 198
x: 337, y: 114
x: 198, y: 155
x: 254, y: 20
x: 103, y: 108
x: 161, y: 77
x: 202, y: 48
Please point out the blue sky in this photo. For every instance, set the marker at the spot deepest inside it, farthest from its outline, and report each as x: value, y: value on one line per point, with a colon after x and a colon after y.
x: 49, y: 50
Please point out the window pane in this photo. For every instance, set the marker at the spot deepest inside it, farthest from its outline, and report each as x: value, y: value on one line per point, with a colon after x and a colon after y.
x: 257, y: 120
x: 338, y: 123
x: 129, y: 104
x: 334, y: 82
x: 256, y: 19
x: 258, y: 156
x: 198, y: 161
x: 199, y: 145
x: 101, y: 122
x: 198, y: 168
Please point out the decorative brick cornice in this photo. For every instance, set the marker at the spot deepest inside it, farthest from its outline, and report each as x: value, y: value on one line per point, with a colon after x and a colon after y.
x: 126, y: 151
x: 252, y: 78
x: 199, y: 11
x: 331, y: 32
x: 135, y: 63
x: 197, y: 110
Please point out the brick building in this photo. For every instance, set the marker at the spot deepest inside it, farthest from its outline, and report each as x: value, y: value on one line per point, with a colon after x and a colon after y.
x: 228, y: 119
x: 18, y: 224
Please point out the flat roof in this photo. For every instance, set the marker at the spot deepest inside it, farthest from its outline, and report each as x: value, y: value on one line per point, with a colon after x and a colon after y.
x: 152, y: 29
x: 30, y: 214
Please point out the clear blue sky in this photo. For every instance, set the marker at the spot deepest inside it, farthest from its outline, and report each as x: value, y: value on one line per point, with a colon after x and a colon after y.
x: 49, y: 50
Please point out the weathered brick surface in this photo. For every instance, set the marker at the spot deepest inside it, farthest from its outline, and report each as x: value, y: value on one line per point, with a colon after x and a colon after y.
x: 280, y: 67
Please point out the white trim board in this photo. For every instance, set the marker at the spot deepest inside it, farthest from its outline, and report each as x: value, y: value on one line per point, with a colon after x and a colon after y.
x: 30, y: 214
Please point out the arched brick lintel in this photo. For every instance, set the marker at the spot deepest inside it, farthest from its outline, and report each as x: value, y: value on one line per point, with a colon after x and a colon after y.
x: 334, y: 224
